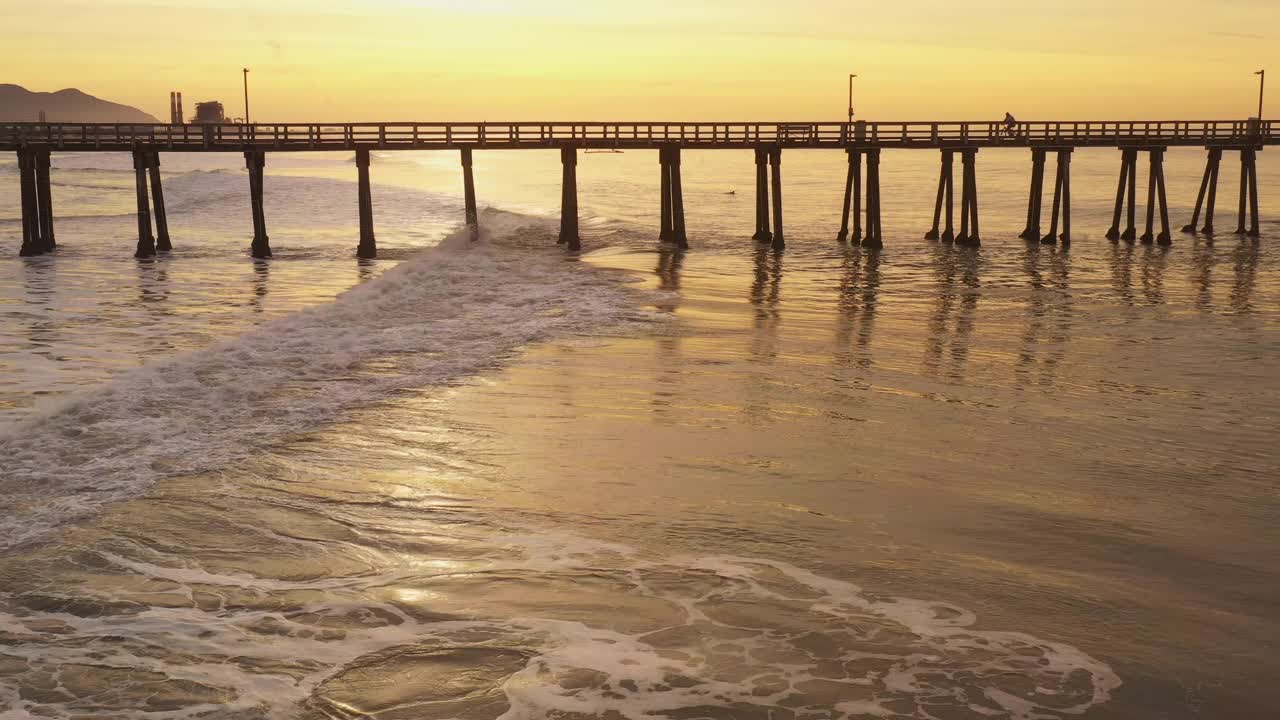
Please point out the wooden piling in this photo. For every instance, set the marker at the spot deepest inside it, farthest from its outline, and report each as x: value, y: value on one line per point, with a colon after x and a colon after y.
x: 775, y: 167
x: 843, y: 235
x: 1248, y: 222
x: 146, y: 241
x: 969, y: 234
x: 44, y: 198
x: 1064, y: 159
x: 944, y: 176
x: 762, y: 234
x: 855, y: 160
x: 1148, y: 235
x: 1157, y: 170
x: 1204, y: 186
x: 569, y: 199
x: 368, y: 244
x: 1059, y: 196
x: 1215, y: 162
x: 30, y: 205
x: 1253, y: 193
x: 874, y: 237
x: 163, y: 243
x: 666, y: 226
x: 1126, y: 157
x: 1131, y: 230
x: 1034, y: 198
x: 469, y: 189
x: 678, y: 234
x: 949, y: 230
x: 256, y: 162
x: 976, y: 236
x: 1244, y: 191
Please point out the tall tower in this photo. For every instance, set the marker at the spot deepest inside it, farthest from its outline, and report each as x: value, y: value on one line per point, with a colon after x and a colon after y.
x: 175, y: 108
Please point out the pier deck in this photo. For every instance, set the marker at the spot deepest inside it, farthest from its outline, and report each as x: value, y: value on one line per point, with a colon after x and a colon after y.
x: 645, y: 135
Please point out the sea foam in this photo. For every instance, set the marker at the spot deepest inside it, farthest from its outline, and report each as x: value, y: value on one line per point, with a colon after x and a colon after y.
x: 443, y: 314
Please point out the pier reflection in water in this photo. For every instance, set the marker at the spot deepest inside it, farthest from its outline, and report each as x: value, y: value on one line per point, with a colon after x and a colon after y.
x: 1049, y: 311
x: 855, y: 321
x: 959, y: 287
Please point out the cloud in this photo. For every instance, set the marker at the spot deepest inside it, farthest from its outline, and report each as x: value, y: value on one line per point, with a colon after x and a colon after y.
x: 1239, y: 35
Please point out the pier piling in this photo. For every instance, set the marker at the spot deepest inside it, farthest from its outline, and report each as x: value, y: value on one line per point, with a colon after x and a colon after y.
x: 949, y: 229
x: 569, y: 199
x: 44, y: 197
x: 1253, y: 193
x: 1035, y: 199
x: 1127, y: 194
x: 1248, y: 218
x: 1127, y: 158
x: 943, y: 203
x: 368, y: 245
x: 163, y: 244
x: 969, y: 199
x: 469, y: 188
x: 146, y: 241
x: 874, y: 237
x: 678, y: 235
x: 1156, y: 200
x: 855, y: 159
x: 1215, y: 163
x: 672, y: 199
x: 673, y: 229
x: 775, y: 166
x: 1061, y: 201
x: 1147, y: 237
x: 1064, y: 159
x: 1204, y: 186
x: 30, y: 205
x: 665, y: 229
x: 762, y: 234
x: 852, y: 179
x: 944, y: 189
x: 256, y: 161
x: 1130, y: 233
x: 1157, y: 171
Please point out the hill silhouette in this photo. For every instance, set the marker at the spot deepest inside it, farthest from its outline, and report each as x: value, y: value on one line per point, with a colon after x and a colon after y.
x: 18, y: 104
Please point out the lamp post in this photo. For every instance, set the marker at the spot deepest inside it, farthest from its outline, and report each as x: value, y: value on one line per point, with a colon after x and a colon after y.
x: 246, y: 96
x: 1262, y: 80
x: 851, y: 77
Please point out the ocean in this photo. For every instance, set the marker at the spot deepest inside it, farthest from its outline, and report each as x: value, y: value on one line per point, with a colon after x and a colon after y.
x: 482, y: 477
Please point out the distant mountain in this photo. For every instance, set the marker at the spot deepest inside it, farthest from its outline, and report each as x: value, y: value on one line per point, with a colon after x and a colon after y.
x: 18, y: 104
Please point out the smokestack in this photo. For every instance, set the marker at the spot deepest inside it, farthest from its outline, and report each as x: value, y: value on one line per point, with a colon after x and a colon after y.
x: 181, y: 119
x: 173, y: 108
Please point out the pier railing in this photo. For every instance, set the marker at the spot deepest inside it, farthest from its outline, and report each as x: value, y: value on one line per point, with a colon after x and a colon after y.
x: 312, y: 136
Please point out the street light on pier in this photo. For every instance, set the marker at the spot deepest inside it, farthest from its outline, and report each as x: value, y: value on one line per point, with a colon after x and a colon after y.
x: 246, y: 96
x: 851, y: 77
x: 1262, y: 79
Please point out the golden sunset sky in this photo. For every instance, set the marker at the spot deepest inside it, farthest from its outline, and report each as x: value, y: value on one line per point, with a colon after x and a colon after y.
x: 351, y: 60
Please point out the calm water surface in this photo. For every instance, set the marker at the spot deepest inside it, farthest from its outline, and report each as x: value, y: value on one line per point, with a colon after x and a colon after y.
x: 488, y: 480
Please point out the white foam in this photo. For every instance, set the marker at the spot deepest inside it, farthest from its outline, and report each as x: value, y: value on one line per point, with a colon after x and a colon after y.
x: 701, y: 660
x: 444, y: 313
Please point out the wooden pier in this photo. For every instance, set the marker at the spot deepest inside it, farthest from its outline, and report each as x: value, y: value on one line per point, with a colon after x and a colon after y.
x: 33, y: 142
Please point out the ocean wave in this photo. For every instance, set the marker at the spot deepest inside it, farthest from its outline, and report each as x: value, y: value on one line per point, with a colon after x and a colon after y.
x: 444, y: 313
x: 548, y: 624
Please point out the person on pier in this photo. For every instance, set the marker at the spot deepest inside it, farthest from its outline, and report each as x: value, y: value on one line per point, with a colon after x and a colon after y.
x: 1010, y: 125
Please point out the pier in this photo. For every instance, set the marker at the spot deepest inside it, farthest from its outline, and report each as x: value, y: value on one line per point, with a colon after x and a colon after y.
x: 33, y: 143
